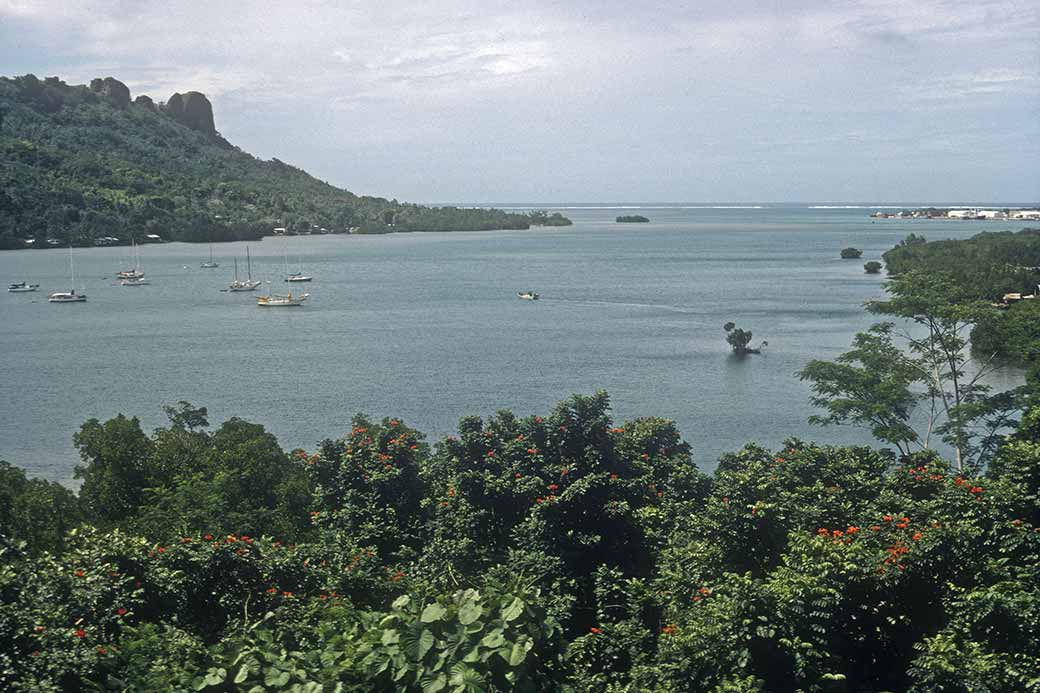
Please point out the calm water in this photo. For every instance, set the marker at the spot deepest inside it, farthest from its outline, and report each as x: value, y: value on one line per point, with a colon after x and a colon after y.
x: 428, y: 327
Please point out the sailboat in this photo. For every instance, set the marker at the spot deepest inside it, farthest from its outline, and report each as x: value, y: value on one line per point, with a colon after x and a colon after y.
x: 135, y: 272
x: 68, y: 296
x: 210, y: 264
x: 22, y: 287
x: 295, y: 276
x: 134, y: 277
x: 244, y: 284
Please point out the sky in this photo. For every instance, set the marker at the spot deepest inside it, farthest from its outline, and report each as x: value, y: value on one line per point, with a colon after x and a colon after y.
x: 586, y: 101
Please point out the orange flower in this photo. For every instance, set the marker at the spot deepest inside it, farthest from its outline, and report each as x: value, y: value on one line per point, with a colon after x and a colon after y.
x: 595, y: 631
x: 887, y: 518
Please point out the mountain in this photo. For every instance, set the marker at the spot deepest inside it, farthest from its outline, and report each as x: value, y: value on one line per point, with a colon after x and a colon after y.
x: 82, y: 163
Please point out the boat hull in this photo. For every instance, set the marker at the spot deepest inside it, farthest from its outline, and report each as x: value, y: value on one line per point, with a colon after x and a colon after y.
x: 66, y: 298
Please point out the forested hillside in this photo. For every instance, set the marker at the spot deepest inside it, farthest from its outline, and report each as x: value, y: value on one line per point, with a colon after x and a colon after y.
x: 79, y: 163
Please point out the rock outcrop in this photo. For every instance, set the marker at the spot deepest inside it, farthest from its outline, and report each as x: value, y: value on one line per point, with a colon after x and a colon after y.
x: 146, y: 102
x: 112, y: 89
x: 192, y: 109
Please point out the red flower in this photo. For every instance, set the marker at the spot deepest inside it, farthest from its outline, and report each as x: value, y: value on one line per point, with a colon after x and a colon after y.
x: 287, y: 594
x: 875, y: 528
x: 121, y: 611
x: 538, y: 419
x: 613, y: 476
x: 553, y: 487
x: 887, y: 518
x: 40, y: 629
x: 595, y: 631
x: 185, y: 540
x: 208, y: 537
x: 852, y: 529
x: 491, y: 453
x: 161, y: 550
x: 36, y: 653
x: 80, y: 633
x: 660, y: 493
x: 101, y: 650
x: 917, y: 535
x: 80, y: 573
x: 532, y: 451
x: 517, y: 475
x: 823, y: 531
x: 272, y: 590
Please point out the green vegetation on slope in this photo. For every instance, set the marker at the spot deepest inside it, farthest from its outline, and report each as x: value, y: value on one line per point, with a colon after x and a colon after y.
x: 979, y: 271
x: 561, y: 552
x: 79, y: 163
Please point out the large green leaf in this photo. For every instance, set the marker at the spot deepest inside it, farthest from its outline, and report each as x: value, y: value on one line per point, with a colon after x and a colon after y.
x: 513, y: 610
x: 433, y: 684
x: 470, y: 611
x: 433, y: 612
x: 276, y: 679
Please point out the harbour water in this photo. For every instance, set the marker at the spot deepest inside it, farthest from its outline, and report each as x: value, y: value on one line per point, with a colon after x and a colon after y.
x: 428, y: 327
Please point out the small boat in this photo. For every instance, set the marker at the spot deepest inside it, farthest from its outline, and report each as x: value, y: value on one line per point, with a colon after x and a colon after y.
x: 244, y: 284
x: 69, y: 296
x: 210, y: 264
x: 134, y: 281
x: 281, y: 301
x: 298, y: 277
x: 527, y: 295
x: 22, y: 287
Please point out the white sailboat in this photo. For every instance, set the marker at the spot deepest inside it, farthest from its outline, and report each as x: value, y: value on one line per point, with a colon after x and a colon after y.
x: 295, y: 276
x: 134, y: 277
x: 135, y: 272
x: 210, y: 264
x: 68, y: 296
x: 22, y: 287
x: 247, y: 284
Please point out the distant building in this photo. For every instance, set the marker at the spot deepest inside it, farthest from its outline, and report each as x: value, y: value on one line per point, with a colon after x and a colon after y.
x: 992, y: 214
x: 962, y: 214
x: 1025, y: 214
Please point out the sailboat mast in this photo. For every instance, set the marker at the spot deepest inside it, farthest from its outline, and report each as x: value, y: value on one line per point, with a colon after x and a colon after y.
x: 72, y: 269
x: 249, y: 265
x: 236, y: 270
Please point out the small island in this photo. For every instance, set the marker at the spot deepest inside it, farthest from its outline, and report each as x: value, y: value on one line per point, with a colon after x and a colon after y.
x: 740, y: 339
x: 872, y: 267
x: 632, y: 219
x: 851, y: 253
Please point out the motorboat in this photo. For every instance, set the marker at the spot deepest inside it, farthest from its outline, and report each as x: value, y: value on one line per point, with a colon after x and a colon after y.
x: 134, y: 281
x: 22, y: 287
x: 298, y: 277
x: 281, y: 300
x: 527, y: 295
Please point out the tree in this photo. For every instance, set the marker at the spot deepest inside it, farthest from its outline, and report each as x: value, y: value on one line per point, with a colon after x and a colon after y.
x: 115, y: 475
x: 872, y: 267
x: 869, y: 385
x: 851, y: 253
x: 739, y: 339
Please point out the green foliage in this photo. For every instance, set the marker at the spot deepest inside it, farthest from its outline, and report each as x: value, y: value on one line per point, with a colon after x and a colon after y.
x: 561, y: 552
x: 872, y: 267
x: 984, y: 267
x: 851, y: 253
x: 738, y: 338
x: 76, y: 167
x: 36, y: 512
x: 632, y: 219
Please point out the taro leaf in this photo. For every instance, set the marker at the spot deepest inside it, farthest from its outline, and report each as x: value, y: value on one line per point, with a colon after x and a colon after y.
x: 391, y: 637
x: 519, y: 652
x: 466, y: 679
x: 494, y: 639
x: 511, y: 612
x: 425, y: 643
x: 433, y: 612
x: 433, y: 684
x: 401, y: 602
x: 469, y: 612
x: 243, y: 674
x: 417, y: 643
x: 276, y: 679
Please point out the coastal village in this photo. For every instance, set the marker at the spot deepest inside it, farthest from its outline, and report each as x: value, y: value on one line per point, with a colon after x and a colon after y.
x: 961, y: 214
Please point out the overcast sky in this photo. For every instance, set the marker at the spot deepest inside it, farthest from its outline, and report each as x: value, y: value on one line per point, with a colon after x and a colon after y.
x: 709, y: 100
